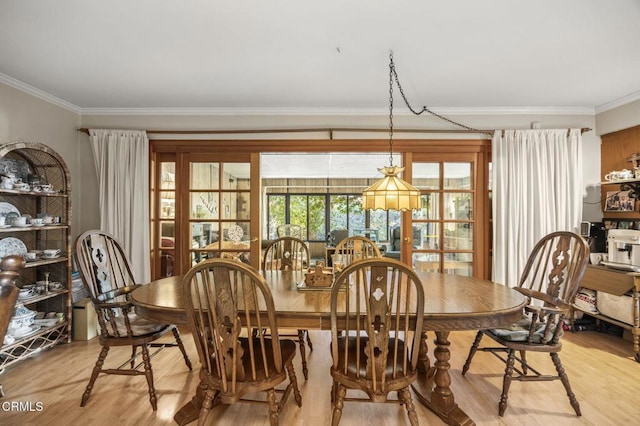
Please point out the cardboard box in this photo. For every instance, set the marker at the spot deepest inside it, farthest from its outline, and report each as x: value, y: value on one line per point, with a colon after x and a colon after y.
x: 85, y: 320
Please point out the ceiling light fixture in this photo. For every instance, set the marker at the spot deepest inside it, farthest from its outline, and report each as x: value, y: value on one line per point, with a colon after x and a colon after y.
x: 391, y: 192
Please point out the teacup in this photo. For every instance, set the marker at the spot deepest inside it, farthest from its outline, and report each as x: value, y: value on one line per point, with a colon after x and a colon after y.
x: 20, y: 220
x: 31, y: 255
x: 47, y: 188
x: 25, y: 292
x: 48, y: 219
x: 3, y: 220
x: 51, y: 252
x: 22, y: 186
x: 595, y: 258
x: 37, y: 221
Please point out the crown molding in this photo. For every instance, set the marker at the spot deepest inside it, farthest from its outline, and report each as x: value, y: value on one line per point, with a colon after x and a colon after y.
x: 618, y: 102
x: 303, y: 111
x: 336, y: 111
x: 40, y: 94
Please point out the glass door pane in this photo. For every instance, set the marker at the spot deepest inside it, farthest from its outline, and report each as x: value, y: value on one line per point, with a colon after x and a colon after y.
x: 443, y: 237
x: 219, y: 205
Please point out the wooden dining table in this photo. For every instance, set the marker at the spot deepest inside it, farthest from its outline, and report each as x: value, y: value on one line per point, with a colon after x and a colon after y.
x: 452, y: 302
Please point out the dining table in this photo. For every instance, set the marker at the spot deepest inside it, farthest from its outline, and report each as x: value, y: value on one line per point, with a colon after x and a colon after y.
x: 452, y: 302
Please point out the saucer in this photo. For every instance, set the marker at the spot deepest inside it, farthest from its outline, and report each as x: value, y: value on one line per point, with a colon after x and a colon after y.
x: 51, y: 257
x: 32, y: 329
x: 38, y: 224
x: 26, y: 225
x: 5, y: 226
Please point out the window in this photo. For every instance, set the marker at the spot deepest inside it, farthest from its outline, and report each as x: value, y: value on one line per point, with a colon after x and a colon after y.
x: 318, y: 214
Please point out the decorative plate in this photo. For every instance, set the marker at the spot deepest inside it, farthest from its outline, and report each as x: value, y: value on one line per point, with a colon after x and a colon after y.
x: 10, y: 245
x: 235, y: 233
x: 7, y: 208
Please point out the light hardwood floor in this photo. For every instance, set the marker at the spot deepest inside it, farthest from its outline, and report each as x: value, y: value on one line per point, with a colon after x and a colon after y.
x: 603, y: 375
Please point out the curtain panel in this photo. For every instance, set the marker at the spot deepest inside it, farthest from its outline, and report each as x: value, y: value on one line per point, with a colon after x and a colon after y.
x: 122, y: 163
x: 537, y: 189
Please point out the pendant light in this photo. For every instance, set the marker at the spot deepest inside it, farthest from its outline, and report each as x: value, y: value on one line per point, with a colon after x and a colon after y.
x: 391, y: 192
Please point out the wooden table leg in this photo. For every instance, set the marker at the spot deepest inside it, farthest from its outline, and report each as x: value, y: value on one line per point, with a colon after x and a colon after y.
x: 433, y: 386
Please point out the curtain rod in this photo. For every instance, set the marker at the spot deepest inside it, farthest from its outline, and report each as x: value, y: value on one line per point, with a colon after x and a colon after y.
x: 331, y: 130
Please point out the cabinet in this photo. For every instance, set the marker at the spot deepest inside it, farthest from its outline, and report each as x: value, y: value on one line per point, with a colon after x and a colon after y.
x: 34, y: 162
x: 616, y: 283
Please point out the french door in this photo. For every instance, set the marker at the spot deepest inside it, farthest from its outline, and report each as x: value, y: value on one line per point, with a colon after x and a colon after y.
x: 204, y: 209
x: 448, y: 233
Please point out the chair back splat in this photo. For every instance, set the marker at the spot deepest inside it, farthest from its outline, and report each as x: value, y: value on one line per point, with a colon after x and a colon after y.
x: 225, y: 301
x: 550, y: 281
x: 376, y: 326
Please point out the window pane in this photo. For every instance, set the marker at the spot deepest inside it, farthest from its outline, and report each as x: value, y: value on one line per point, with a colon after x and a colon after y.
x: 235, y: 205
x: 317, y: 221
x: 168, y: 175
x: 378, y: 222
x: 205, y: 176
x: 338, y: 212
x: 204, y: 205
x: 276, y: 215
x: 458, y: 206
x: 298, y: 211
x: 457, y: 176
x: 426, y: 175
x: 167, y: 204
x: 426, y: 262
x: 458, y: 236
x: 356, y: 213
x: 430, y: 235
x: 236, y: 175
x: 430, y: 207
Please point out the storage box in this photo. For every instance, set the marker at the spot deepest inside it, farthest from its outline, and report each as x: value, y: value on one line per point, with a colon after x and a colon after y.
x: 85, y: 320
x: 617, y: 307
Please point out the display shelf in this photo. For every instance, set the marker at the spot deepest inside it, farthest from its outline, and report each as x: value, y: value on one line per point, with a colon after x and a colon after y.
x: 34, y: 161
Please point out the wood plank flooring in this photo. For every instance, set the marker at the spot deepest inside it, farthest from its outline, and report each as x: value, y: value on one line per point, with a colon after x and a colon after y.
x: 601, y: 368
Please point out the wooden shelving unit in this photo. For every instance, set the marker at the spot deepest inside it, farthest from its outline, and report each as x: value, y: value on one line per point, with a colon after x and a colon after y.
x: 36, y: 159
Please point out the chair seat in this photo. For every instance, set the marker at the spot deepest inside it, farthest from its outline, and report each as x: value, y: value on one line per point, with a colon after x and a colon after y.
x: 359, y: 370
x: 287, y: 348
x: 519, y: 332
x: 139, y: 326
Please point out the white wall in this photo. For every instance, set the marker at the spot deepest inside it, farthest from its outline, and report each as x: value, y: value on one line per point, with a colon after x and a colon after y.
x: 28, y: 118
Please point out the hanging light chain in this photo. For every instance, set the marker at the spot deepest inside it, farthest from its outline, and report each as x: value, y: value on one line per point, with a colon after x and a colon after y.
x: 391, y: 74
x: 392, y: 70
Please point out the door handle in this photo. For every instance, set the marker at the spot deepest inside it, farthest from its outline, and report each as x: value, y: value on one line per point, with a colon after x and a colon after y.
x: 407, y: 240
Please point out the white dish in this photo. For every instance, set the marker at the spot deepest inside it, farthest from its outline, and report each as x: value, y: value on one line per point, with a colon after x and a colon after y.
x: 7, y: 208
x: 37, y: 224
x: 32, y: 329
x: 5, y: 226
x: 11, y: 245
x: 27, y: 297
x: 26, y: 225
x: 50, y: 322
x: 51, y: 257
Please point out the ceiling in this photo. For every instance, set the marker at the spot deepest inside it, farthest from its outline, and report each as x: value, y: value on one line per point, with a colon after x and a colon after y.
x: 331, y: 56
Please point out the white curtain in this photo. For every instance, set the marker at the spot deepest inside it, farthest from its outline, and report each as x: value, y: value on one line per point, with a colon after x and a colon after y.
x: 122, y: 163
x: 537, y: 189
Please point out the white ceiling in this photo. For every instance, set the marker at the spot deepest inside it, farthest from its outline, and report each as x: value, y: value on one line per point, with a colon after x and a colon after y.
x: 292, y: 56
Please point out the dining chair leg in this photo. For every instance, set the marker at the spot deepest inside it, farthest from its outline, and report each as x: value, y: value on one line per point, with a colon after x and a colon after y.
x: 207, y: 403
x: 472, y: 352
x: 94, y: 374
x: 294, y: 382
x: 187, y: 361
x: 303, y: 355
x: 565, y: 381
x: 309, y: 340
x: 506, y: 382
x: 133, y: 356
x: 149, y: 375
x: 405, y: 396
x: 523, y: 361
x: 340, y: 393
x: 273, y: 407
